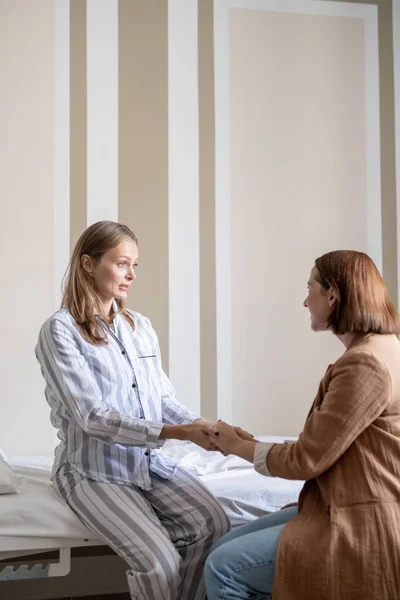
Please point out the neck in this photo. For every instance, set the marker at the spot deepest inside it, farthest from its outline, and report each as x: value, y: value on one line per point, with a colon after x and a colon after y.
x: 347, y: 338
x: 105, y: 309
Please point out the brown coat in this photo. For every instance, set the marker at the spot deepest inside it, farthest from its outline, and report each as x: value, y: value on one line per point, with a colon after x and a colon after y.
x: 345, y: 542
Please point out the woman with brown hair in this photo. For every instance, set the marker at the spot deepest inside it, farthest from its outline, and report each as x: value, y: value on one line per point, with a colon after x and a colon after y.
x: 113, y: 407
x: 342, y: 541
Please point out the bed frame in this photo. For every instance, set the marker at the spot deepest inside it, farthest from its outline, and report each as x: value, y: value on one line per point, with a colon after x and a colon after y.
x: 13, y: 550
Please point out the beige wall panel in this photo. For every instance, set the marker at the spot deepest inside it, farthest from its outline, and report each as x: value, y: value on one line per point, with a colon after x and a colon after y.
x: 298, y: 181
x: 26, y: 226
x: 143, y: 152
x: 388, y: 156
x: 208, y: 341
x: 78, y: 120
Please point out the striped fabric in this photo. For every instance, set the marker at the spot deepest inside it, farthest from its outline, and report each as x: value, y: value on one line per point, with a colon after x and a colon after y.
x: 164, y: 534
x: 109, y: 403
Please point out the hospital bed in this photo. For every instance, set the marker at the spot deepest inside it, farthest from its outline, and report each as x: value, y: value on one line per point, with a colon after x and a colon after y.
x: 36, y: 521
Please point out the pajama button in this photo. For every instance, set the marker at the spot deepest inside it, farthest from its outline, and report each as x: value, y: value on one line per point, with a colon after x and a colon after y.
x: 133, y: 385
x: 123, y: 352
x: 146, y: 453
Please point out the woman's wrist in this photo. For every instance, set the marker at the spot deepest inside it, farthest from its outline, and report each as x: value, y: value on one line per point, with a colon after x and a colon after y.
x: 245, y: 449
x: 174, y: 432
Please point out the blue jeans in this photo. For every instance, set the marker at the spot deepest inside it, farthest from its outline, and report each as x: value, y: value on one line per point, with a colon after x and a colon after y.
x: 242, y: 563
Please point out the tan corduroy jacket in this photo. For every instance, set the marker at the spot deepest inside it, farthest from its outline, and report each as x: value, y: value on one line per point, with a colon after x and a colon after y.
x: 345, y: 542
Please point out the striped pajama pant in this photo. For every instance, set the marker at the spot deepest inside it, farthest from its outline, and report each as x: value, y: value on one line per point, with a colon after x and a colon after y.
x: 164, y: 534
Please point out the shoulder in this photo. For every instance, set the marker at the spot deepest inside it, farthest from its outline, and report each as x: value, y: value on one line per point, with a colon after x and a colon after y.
x: 141, y: 322
x: 362, y: 368
x: 60, y: 321
x: 362, y: 357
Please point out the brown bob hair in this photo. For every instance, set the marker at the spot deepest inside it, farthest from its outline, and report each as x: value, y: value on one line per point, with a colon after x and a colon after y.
x: 80, y: 296
x: 363, y: 304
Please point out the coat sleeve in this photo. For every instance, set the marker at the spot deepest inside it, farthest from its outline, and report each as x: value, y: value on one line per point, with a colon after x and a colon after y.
x: 359, y: 391
x: 68, y: 375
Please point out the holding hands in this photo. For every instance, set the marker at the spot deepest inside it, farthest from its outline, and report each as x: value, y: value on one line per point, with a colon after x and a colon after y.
x: 206, y: 434
x: 199, y: 432
x: 220, y: 436
x: 228, y: 438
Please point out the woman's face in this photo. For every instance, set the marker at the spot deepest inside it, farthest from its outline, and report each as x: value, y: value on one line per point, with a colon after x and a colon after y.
x: 319, y: 302
x: 114, y: 273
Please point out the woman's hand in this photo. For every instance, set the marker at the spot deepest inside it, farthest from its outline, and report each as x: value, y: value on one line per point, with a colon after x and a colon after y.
x: 225, y: 437
x: 243, y: 434
x: 199, y: 432
x: 229, y: 441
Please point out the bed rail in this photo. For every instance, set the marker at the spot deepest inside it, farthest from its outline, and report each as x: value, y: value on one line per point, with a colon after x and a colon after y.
x: 9, y: 572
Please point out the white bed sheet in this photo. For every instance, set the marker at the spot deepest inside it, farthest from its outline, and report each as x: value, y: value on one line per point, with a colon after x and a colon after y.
x: 37, y: 512
x: 247, y: 495
x: 201, y: 462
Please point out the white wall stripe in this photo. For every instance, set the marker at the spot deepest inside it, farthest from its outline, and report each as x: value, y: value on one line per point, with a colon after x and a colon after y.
x: 222, y: 156
x: 223, y: 213
x: 184, y: 269
x: 396, y: 66
x: 102, y: 110
x: 302, y: 7
x: 62, y: 146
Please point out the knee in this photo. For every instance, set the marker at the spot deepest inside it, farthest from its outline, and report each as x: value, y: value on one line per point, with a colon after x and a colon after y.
x: 217, y: 522
x: 223, y: 527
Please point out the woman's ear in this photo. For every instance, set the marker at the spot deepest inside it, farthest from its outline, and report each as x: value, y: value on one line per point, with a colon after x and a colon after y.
x: 331, y: 298
x: 87, y: 264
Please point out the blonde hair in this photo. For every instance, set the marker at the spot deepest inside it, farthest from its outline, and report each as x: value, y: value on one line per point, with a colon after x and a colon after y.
x: 80, y: 296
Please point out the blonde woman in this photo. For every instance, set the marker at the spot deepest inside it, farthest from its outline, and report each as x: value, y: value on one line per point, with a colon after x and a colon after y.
x: 342, y: 542
x: 113, y: 407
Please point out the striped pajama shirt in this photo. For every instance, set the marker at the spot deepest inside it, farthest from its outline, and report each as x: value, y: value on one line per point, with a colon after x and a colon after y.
x: 109, y: 404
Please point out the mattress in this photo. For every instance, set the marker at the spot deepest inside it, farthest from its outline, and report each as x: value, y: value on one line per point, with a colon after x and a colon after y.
x: 246, y: 495
x: 37, y: 512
